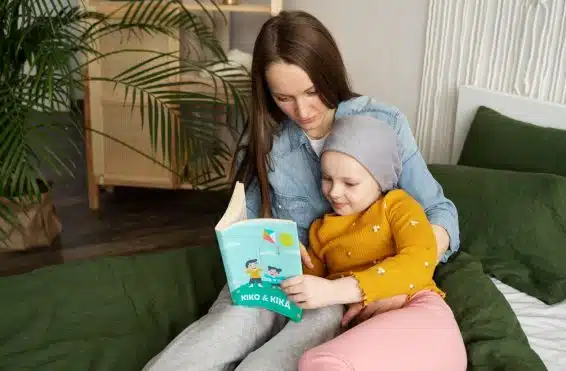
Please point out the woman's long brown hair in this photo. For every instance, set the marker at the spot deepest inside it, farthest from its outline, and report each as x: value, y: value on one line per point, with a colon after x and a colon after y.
x: 297, y: 38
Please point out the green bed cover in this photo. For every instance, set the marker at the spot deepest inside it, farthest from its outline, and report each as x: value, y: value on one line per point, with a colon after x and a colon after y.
x: 114, y: 313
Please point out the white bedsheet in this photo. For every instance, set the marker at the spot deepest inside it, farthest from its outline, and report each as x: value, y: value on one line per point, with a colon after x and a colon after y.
x: 544, y: 325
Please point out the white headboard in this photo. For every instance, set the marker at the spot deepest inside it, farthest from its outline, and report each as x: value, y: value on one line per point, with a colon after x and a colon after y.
x: 536, y: 112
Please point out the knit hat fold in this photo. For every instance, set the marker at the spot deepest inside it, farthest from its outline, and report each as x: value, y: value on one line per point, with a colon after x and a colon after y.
x: 370, y: 141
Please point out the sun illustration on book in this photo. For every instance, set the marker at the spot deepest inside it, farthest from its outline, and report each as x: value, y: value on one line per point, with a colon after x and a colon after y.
x: 286, y: 239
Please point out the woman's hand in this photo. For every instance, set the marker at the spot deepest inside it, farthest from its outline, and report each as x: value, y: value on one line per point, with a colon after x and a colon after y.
x: 305, y: 257
x: 310, y: 292
x: 359, y: 314
x: 442, y: 240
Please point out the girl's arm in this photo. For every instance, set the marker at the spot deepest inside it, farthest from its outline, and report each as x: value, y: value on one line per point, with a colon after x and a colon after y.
x: 319, y: 268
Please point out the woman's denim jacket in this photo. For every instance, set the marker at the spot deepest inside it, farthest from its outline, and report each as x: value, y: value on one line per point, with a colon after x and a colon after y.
x: 294, y: 175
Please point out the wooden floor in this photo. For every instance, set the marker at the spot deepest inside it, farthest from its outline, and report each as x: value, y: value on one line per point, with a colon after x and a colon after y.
x: 130, y: 220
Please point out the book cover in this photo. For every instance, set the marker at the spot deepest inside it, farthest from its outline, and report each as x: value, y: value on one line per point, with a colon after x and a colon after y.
x: 258, y: 254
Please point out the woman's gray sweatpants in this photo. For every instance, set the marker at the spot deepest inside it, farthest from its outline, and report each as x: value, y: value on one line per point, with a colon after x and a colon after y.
x: 239, y: 338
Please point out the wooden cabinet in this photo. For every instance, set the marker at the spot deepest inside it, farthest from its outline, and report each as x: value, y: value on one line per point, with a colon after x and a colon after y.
x: 111, y: 163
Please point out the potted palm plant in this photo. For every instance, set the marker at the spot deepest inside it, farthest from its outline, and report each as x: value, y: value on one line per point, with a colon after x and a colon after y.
x: 44, y: 48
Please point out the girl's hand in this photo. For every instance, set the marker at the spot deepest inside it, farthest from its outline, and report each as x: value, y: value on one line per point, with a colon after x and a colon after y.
x: 305, y: 257
x: 310, y: 292
x: 359, y: 314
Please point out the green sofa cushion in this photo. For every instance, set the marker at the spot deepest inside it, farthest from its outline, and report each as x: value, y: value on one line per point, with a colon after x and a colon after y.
x: 107, y: 314
x: 497, y: 141
x: 514, y: 222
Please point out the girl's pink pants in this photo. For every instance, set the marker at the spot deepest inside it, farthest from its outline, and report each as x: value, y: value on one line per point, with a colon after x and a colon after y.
x: 423, y: 336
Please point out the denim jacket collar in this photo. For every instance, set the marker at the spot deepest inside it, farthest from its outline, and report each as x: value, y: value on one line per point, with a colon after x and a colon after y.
x: 297, y: 137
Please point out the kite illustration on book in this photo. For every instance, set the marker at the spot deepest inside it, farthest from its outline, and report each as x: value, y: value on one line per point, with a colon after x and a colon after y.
x: 258, y: 254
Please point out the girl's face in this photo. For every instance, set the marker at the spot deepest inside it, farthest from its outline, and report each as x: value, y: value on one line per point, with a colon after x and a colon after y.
x: 295, y: 94
x: 347, y: 184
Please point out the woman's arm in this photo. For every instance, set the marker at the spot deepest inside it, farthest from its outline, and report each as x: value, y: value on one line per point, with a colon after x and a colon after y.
x: 417, y: 180
x: 442, y: 243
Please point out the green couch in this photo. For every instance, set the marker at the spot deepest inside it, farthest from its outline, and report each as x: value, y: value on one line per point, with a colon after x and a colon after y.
x: 110, y: 313
x: 115, y: 313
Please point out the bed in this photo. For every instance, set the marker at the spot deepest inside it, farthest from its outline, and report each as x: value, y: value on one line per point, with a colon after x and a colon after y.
x: 543, y: 324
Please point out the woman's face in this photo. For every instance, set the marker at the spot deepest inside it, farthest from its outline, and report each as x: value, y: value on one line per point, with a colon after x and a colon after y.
x: 295, y: 94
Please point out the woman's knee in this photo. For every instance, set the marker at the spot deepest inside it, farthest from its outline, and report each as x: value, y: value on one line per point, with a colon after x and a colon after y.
x: 331, y: 315
x: 321, y: 324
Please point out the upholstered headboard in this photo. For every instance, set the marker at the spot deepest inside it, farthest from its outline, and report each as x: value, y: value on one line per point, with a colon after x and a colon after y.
x: 538, y: 112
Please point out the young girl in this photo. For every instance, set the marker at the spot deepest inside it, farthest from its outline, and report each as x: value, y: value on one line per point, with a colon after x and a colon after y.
x: 299, y: 86
x: 380, y: 243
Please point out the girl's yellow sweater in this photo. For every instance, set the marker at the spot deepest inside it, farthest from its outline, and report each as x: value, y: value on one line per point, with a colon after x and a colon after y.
x: 390, y: 248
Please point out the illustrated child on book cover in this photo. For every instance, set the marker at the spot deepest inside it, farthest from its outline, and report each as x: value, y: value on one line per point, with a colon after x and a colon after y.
x: 254, y: 272
x: 274, y: 276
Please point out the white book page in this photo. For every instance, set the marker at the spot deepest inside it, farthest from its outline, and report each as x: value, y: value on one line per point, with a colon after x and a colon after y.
x: 236, y: 210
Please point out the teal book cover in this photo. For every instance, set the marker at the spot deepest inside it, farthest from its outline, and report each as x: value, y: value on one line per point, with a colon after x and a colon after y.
x: 258, y: 254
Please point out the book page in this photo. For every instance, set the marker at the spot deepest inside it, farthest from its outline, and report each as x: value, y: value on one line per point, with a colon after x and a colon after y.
x: 236, y: 210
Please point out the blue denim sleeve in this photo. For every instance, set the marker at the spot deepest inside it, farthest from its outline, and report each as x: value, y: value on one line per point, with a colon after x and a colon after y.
x: 417, y: 180
x: 253, y: 199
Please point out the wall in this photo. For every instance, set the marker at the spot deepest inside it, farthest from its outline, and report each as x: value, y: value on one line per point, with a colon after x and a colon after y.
x: 513, y: 46
x: 415, y: 53
x: 382, y: 43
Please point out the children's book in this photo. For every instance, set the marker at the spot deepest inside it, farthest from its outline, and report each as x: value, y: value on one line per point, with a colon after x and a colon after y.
x: 258, y: 254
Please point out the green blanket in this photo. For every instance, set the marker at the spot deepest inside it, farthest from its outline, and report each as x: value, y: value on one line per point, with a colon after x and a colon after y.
x: 115, y: 313
x: 493, y: 336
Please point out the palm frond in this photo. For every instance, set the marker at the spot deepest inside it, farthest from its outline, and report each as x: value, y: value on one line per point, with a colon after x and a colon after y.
x: 149, y: 83
x: 8, y: 219
x: 165, y: 17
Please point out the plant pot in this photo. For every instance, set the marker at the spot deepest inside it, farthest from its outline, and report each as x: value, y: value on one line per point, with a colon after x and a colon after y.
x: 39, y: 224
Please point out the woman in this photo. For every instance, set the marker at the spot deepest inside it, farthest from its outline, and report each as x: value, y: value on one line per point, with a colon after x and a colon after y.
x: 299, y: 86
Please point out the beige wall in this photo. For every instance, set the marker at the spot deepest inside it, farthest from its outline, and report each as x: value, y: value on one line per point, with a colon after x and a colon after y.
x: 382, y: 42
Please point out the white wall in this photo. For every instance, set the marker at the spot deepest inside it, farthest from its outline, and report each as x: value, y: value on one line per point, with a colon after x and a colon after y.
x: 382, y: 43
x: 511, y: 46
